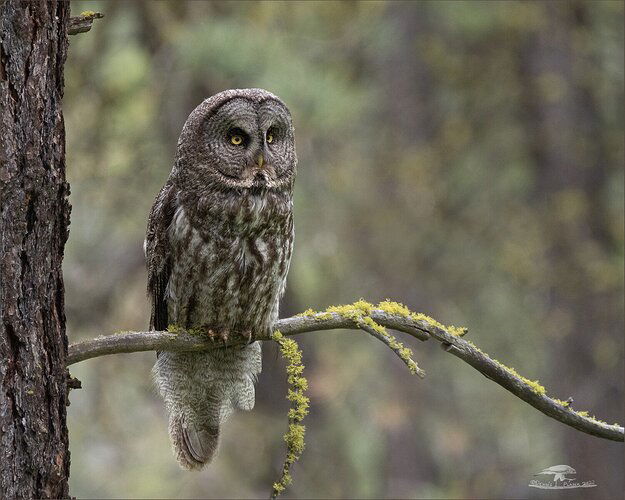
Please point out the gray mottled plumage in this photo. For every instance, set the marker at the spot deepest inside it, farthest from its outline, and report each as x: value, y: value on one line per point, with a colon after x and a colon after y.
x: 218, y: 247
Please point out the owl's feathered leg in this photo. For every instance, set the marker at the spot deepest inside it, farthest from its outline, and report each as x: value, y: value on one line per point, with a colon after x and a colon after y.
x: 200, y: 391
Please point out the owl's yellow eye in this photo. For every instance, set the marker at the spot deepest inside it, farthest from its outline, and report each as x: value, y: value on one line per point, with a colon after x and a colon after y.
x: 236, y: 140
x: 269, y: 138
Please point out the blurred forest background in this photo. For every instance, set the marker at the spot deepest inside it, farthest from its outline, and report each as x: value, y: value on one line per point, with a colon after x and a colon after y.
x: 465, y: 158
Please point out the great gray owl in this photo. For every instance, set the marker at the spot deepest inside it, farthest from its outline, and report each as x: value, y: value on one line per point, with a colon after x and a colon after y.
x: 218, y: 247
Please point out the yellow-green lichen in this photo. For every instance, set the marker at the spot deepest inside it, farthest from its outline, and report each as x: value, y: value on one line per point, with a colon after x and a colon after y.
x: 598, y: 420
x: 393, y: 307
x: 298, y: 384
x: 362, y: 308
x: 538, y: 388
x: 368, y: 320
x: 360, y: 313
x: 397, y: 308
x: 307, y: 313
x: 534, y: 385
x: 311, y: 313
x: 562, y: 403
x: 295, y: 440
x: 191, y: 331
x: 353, y: 311
x: 404, y: 353
x: 278, y: 488
x: 585, y: 414
x: 89, y: 15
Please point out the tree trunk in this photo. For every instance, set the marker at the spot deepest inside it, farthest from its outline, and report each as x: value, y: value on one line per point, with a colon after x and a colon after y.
x: 34, y: 219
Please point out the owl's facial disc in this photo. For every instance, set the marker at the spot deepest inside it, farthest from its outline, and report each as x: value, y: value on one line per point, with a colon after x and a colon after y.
x: 250, y: 145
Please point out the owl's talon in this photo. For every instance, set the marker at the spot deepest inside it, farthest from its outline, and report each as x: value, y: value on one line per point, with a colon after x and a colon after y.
x: 223, y: 335
x: 247, y: 334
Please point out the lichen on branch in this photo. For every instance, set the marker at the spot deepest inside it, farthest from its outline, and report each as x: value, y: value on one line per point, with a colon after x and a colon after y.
x: 375, y: 320
x: 360, y: 313
x: 362, y: 308
x: 298, y: 384
x: 83, y: 22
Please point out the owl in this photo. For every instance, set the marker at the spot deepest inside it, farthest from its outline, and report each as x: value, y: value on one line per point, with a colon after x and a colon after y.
x: 218, y: 247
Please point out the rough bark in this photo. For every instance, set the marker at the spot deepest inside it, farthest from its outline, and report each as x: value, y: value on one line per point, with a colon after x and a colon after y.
x: 34, y: 219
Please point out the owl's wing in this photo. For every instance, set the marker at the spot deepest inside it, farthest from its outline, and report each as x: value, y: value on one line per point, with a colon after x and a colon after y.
x: 158, y: 254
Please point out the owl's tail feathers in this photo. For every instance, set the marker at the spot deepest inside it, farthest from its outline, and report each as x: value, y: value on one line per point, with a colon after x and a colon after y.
x: 200, y: 391
x: 194, y: 445
x: 194, y: 410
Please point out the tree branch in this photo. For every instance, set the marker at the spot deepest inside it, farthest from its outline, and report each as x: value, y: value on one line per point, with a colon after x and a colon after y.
x: 83, y: 22
x: 386, y: 314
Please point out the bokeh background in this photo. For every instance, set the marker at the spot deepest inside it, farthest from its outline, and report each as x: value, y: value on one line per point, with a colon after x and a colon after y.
x: 465, y: 158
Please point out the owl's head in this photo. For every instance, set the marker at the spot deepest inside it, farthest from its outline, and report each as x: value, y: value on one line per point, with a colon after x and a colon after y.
x: 239, y: 139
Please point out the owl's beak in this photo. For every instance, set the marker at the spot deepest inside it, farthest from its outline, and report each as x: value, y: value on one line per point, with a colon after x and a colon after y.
x: 260, y: 161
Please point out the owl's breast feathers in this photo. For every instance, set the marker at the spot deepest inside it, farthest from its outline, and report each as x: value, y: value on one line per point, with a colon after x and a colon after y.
x: 218, y: 263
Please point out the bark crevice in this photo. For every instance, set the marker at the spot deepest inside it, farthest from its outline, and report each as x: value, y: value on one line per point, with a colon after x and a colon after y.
x: 34, y: 215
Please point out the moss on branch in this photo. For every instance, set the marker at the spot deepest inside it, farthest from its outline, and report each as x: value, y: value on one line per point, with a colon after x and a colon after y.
x: 375, y: 320
x: 298, y: 384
